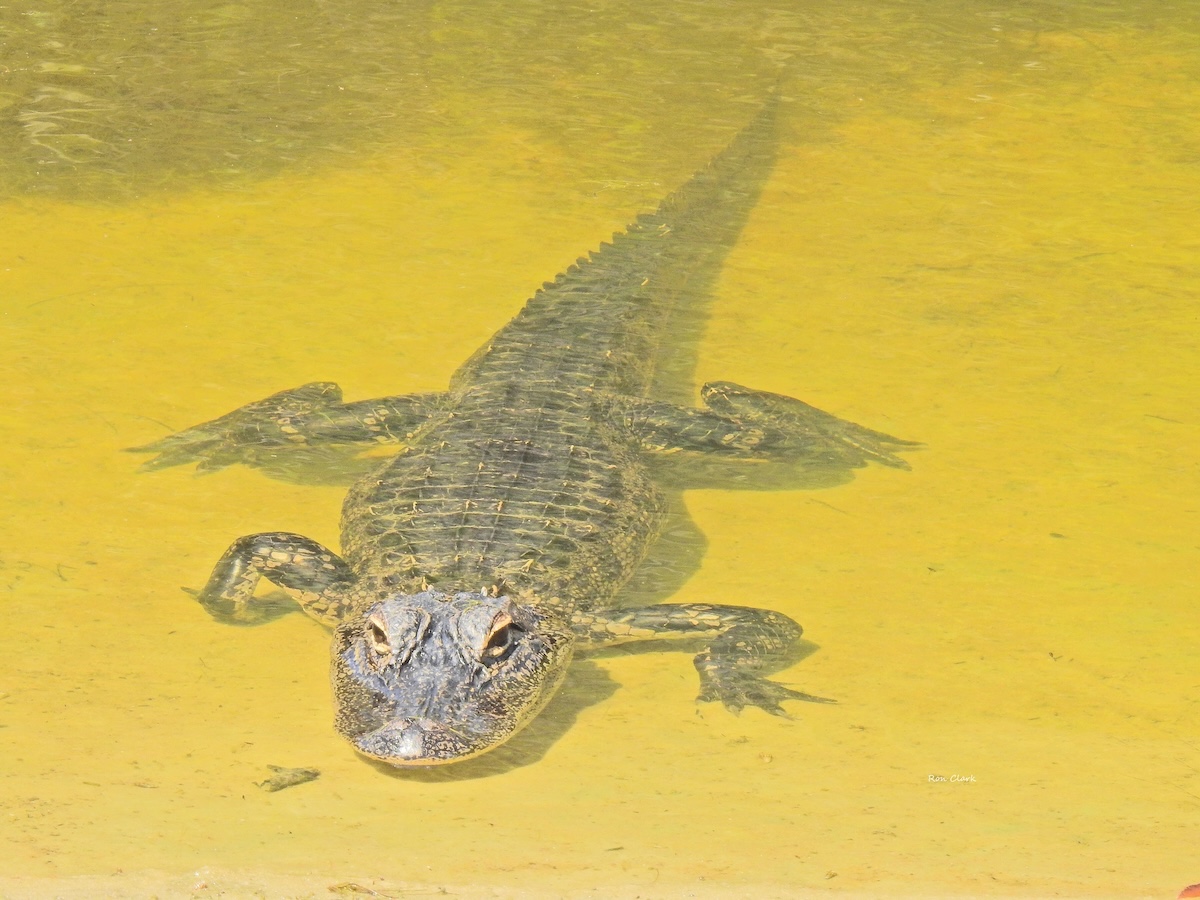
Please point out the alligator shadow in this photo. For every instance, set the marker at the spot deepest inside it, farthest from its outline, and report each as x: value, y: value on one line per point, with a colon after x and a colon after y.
x: 677, y: 554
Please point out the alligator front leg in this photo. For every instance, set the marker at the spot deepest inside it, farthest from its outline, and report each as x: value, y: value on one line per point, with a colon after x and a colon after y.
x: 747, y: 644
x: 312, y: 415
x: 744, y: 423
x: 316, y: 578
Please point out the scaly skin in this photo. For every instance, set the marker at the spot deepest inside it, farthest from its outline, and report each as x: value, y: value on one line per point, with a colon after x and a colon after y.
x: 495, y: 542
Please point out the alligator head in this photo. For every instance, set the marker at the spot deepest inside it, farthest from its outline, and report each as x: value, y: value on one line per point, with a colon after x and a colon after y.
x: 432, y: 678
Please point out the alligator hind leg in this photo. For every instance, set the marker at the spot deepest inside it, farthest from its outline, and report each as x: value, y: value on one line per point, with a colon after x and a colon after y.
x: 744, y: 423
x: 316, y: 578
x: 307, y: 416
x: 747, y: 644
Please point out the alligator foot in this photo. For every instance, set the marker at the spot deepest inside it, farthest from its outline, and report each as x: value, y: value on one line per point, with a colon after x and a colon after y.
x: 739, y: 689
x: 806, y: 428
x: 749, y: 424
x: 310, y: 415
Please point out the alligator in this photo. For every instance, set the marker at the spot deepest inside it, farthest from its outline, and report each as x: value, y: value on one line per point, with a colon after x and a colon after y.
x: 493, y: 545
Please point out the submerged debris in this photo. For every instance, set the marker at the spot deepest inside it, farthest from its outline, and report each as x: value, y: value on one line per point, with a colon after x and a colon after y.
x: 286, y: 778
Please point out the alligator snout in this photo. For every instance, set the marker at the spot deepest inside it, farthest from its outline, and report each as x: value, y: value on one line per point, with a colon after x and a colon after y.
x: 412, y: 742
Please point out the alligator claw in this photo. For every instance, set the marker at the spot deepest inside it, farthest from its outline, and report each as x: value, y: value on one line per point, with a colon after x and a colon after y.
x: 737, y: 690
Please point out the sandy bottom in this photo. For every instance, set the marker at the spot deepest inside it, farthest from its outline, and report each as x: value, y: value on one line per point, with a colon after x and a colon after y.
x: 232, y: 884
x: 981, y: 234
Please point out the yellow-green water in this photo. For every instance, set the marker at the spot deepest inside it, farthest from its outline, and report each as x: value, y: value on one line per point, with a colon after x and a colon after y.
x: 981, y: 234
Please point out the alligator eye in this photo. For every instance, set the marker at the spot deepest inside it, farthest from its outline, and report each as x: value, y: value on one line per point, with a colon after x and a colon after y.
x: 377, y: 638
x: 500, y: 639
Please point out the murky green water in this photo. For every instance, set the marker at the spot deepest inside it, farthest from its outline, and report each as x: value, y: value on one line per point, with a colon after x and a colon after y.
x: 980, y: 234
